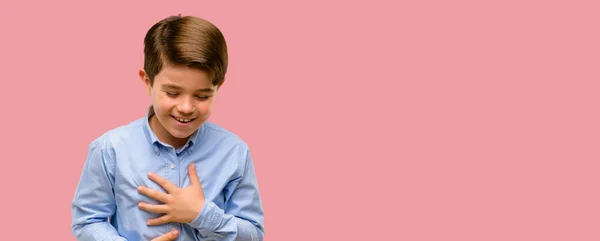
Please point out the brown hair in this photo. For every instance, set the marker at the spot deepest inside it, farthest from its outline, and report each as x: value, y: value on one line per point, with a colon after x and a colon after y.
x: 186, y: 41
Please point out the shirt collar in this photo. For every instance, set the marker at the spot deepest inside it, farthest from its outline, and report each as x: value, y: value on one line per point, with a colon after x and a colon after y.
x: 153, y: 139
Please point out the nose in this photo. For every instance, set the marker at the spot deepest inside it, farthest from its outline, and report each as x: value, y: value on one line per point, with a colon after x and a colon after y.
x: 186, y: 106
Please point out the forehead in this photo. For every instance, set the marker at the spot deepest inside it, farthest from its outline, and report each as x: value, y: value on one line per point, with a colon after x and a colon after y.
x: 184, y: 77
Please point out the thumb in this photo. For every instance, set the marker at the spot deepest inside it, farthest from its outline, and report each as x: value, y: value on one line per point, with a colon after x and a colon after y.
x: 173, y: 234
x: 194, y: 179
x: 170, y: 236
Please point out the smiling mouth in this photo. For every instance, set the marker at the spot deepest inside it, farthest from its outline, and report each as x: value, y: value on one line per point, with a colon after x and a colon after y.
x: 183, y: 120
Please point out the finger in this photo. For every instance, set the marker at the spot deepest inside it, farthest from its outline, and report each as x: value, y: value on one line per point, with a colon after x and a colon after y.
x: 164, y: 183
x: 153, y: 208
x: 156, y: 195
x: 170, y: 236
x: 194, y: 179
x: 158, y: 221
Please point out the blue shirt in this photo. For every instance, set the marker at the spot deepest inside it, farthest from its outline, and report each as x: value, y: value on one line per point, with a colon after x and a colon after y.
x: 105, y: 207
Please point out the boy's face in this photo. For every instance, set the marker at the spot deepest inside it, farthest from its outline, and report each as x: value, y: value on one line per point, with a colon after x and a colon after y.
x: 182, y: 98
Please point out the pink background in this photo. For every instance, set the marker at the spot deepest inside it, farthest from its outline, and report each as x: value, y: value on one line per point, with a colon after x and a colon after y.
x: 436, y: 120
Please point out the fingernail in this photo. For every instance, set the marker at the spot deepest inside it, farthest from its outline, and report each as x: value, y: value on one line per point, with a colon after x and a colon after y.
x: 139, y: 188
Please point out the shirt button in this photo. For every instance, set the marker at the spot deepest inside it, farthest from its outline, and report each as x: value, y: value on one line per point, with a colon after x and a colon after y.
x: 172, y: 166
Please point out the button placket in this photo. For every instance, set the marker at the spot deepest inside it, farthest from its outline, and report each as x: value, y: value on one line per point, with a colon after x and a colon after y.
x: 183, y: 172
x: 172, y: 168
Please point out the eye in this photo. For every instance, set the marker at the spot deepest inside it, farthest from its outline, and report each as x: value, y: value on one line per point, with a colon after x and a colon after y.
x: 171, y: 94
x: 202, y: 97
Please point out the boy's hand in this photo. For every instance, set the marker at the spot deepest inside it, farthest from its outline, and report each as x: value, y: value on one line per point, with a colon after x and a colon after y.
x: 180, y: 205
x: 170, y: 236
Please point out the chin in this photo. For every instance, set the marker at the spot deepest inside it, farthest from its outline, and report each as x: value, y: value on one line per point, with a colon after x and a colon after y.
x: 180, y: 135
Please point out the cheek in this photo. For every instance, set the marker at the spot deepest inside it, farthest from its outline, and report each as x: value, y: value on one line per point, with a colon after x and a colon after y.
x: 162, y: 102
x: 161, y: 107
x: 205, y: 109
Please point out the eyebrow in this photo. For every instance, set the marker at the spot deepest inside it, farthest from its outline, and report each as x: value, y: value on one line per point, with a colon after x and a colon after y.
x: 175, y: 87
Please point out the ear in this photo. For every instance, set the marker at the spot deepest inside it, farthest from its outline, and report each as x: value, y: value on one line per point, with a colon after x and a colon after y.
x: 145, y: 80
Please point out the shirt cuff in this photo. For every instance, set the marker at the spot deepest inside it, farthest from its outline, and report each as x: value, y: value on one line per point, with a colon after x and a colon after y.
x: 209, y: 218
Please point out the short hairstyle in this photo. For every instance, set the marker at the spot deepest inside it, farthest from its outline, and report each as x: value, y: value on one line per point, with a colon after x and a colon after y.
x: 186, y: 41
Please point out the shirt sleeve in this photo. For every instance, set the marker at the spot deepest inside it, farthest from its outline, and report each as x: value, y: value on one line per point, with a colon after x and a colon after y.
x: 94, y: 200
x: 243, y: 217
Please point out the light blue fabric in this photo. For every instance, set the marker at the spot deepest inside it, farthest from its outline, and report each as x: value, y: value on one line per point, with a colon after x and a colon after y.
x: 105, y: 203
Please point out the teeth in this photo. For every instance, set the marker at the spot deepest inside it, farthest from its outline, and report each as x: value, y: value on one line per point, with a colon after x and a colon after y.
x: 183, y: 120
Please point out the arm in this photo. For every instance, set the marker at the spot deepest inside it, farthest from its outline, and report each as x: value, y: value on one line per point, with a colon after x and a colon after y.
x: 94, y: 200
x: 242, y: 219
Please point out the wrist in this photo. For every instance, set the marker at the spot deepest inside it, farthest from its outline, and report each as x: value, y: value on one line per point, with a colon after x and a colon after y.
x: 197, y: 209
x: 209, y: 218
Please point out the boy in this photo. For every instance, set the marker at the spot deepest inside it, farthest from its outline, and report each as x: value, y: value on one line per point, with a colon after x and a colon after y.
x: 172, y: 175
